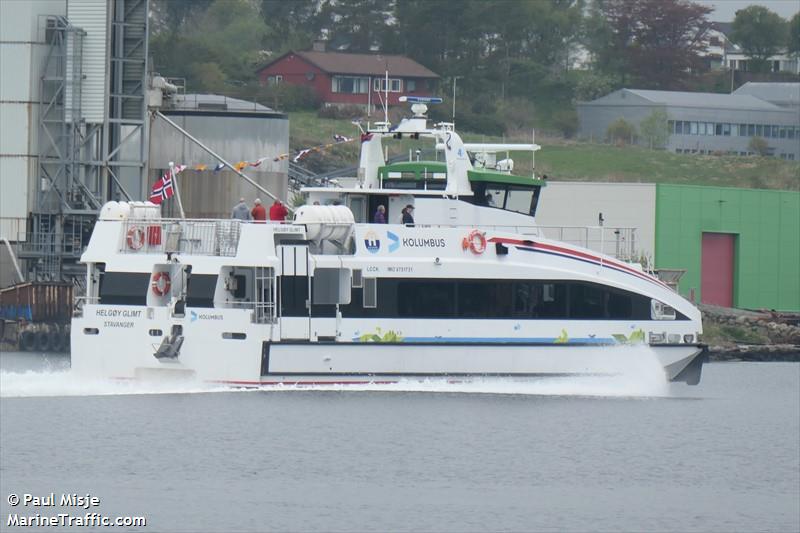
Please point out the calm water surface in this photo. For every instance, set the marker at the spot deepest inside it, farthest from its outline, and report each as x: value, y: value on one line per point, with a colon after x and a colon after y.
x: 560, y: 455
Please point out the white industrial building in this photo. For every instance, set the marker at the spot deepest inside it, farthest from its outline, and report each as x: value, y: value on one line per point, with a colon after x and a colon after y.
x: 76, y: 108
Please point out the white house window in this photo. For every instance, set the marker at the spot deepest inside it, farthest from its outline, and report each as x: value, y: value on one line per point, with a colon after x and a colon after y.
x: 411, y: 85
x: 349, y: 85
x: 395, y: 85
x: 273, y: 80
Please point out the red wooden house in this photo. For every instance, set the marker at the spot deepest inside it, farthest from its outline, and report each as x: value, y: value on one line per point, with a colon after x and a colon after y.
x: 358, y: 79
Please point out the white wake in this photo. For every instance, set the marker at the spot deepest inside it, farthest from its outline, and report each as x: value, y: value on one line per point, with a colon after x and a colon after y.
x: 625, y: 372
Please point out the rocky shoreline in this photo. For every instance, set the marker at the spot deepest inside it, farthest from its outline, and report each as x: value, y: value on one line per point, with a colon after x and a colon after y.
x: 742, y: 335
x: 759, y: 353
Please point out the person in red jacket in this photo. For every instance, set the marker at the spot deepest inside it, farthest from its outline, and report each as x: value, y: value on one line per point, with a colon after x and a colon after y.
x: 259, y: 212
x: 278, y: 211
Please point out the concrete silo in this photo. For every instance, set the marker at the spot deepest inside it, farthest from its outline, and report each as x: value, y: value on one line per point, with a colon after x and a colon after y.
x: 236, y: 130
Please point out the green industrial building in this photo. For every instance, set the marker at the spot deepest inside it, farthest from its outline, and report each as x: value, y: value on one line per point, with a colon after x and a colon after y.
x: 739, y: 247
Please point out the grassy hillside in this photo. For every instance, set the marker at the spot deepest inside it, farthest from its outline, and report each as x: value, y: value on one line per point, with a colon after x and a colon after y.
x: 572, y: 161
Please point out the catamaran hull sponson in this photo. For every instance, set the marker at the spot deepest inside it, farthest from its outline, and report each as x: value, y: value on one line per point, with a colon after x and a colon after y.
x: 332, y: 362
x: 252, y: 363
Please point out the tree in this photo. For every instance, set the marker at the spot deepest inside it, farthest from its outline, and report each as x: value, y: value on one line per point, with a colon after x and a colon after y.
x: 793, y: 46
x: 759, y: 146
x: 657, y: 42
x: 212, y: 50
x: 358, y: 25
x: 655, y: 128
x: 761, y: 33
x: 621, y: 132
x: 292, y: 25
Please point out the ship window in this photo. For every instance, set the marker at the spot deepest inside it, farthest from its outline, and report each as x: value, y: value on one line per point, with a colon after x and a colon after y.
x: 124, y: 288
x: 495, y: 196
x: 586, y: 301
x: 200, y: 291
x: 294, y: 296
x: 494, y: 299
x: 520, y: 200
x: 370, y: 293
x: 426, y: 299
x: 553, y: 303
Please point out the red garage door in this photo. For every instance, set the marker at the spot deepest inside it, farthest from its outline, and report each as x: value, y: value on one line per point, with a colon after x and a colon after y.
x: 716, y: 283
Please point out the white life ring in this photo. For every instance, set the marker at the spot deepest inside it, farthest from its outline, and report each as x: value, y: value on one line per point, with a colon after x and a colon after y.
x: 135, y: 238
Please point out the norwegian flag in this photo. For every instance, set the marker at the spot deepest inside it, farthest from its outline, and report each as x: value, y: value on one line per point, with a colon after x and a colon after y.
x: 163, y: 188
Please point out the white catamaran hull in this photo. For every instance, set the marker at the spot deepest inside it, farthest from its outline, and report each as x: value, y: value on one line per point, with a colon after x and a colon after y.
x: 247, y: 358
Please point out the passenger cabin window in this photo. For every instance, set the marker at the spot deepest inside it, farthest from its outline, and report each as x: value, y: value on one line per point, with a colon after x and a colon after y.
x: 201, y: 289
x: 124, y: 288
x: 495, y: 299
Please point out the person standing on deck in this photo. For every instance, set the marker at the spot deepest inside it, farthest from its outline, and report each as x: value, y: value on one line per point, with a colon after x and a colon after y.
x: 408, y: 216
x: 278, y: 211
x: 259, y: 213
x: 241, y: 211
x: 380, y: 215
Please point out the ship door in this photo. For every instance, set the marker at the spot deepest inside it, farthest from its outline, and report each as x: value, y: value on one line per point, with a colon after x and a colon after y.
x: 294, y: 292
x: 358, y: 205
x: 374, y: 201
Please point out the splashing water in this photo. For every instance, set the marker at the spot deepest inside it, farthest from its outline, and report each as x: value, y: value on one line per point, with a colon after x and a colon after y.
x: 630, y: 371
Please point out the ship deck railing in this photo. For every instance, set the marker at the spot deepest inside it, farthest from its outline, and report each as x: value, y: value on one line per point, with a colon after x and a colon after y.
x: 220, y: 237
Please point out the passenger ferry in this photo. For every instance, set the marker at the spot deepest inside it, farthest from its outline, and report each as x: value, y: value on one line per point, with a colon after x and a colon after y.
x: 470, y: 289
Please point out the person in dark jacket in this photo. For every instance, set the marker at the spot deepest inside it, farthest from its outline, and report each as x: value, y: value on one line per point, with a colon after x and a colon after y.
x: 408, y: 216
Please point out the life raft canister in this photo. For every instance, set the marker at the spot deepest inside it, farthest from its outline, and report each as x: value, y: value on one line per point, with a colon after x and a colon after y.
x: 135, y: 238
x: 475, y: 241
x: 161, y: 283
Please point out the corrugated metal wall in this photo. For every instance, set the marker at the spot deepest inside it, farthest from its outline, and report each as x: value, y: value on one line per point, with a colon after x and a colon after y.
x: 22, y: 52
x: 767, y: 269
x: 92, y: 17
x: 237, y: 138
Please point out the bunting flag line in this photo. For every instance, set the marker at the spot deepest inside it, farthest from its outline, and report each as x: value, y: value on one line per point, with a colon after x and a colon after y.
x: 163, y: 188
x: 301, y: 154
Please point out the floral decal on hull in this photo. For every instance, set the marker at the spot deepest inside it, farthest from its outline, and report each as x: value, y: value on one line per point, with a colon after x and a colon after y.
x: 379, y: 336
x: 636, y: 337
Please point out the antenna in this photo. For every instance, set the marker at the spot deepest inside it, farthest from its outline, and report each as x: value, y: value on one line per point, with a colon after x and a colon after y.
x: 386, y: 95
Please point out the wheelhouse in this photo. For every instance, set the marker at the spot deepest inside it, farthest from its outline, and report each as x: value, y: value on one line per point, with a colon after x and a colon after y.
x: 519, y: 194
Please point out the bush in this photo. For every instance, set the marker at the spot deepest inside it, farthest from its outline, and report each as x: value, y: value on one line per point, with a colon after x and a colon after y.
x: 655, y: 129
x: 288, y: 97
x: 621, y: 132
x: 759, y: 146
x: 566, y: 121
x: 340, y: 112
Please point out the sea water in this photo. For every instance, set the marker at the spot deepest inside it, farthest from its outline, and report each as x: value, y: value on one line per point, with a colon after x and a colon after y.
x: 627, y: 452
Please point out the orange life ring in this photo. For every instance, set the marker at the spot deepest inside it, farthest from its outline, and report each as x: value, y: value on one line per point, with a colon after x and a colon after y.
x: 161, y: 283
x: 135, y: 238
x: 475, y: 241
